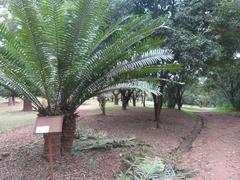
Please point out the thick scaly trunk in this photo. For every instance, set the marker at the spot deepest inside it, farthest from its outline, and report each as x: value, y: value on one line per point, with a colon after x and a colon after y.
x: 60, y: 143
x: 27, y: 105
x: 69, y: 127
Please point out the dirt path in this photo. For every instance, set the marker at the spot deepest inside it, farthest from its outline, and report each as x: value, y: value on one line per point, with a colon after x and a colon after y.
x: 216, y: 151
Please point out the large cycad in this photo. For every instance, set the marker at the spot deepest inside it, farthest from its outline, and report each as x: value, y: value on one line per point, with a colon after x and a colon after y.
x: 67, y: 52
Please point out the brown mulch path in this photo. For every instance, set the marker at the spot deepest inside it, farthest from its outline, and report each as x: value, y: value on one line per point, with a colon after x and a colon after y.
x: 22, y: 150
x: 216, y: 151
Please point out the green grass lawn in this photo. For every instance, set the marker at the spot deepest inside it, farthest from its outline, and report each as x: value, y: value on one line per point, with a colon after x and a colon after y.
x: 9, y: 120
x: 111, y: 107
x: 189, y: 108
x: 16, y: 118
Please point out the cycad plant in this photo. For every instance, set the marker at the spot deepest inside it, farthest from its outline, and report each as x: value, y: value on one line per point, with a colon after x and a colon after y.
x: 69, y: 51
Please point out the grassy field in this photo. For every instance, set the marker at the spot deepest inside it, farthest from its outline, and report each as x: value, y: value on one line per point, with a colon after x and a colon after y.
x: 9, y: 120
x: 189, y: 108
x: 13, y: 117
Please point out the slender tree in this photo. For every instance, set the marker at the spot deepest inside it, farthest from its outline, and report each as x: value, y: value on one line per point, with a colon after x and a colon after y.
x: 102, y: 103
x: 116, y: 94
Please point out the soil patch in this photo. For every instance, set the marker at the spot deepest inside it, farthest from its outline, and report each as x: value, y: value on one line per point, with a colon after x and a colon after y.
x: 187, y: 142
x: 216, y: 151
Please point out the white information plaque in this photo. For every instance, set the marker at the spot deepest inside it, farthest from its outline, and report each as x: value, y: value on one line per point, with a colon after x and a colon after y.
x: 42, y: 129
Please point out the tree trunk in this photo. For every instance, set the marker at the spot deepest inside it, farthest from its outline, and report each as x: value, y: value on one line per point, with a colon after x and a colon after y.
x: 158, y: 103
x: 27, y: 105
x: 69, y: 127
x: 171, y: 103
x: 125, y: 96
x: 124, y: 106
x: 155, y: 106
x: 179, y: 104
x: 60, y: 143
x: 144, y: 99
x: 13, y: 100
x: 102, y: 103
x: 124, y: 103
x: 10, y: 103
x: 116, y: 97
x: 116, y: 100
x: 159, y: 109
x: 134, y: 101
x: 179, y: 97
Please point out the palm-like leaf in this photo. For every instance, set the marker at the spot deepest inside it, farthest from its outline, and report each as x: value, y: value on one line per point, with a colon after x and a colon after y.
x: 68, y: 53
x: 141, y: 85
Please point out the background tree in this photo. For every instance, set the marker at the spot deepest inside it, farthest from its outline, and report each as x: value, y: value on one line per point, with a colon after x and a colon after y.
x: 7, y: 93
x: 190, y: 21
x: 102, y: 103
x: 223, y: 73
x: 135, y: 95
x: 116, y: 94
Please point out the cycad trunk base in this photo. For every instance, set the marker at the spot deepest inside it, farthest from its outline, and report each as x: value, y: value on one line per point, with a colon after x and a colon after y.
x: 60, y: 143
x: 69, y: 127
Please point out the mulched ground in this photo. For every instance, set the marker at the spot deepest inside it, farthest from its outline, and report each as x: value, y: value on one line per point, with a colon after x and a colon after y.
x: 22, y: 150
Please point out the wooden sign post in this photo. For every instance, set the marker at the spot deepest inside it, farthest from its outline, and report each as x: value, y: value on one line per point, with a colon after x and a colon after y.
x: 49, y: 125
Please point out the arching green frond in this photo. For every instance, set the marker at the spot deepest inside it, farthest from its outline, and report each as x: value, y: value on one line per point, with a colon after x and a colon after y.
x: 148, y: 59
x: 141, y: 85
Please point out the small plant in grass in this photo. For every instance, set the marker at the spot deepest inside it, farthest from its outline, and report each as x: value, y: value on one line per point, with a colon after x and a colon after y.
x: 88, y: 134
